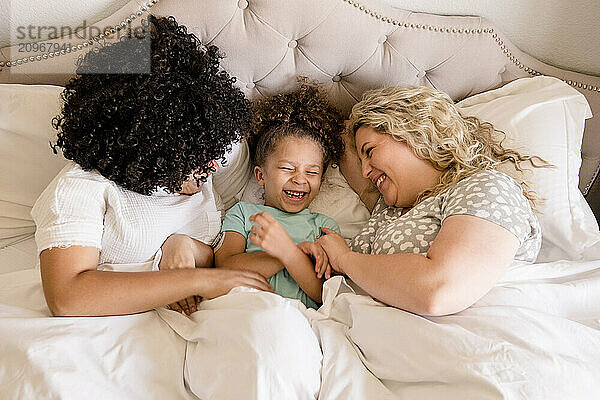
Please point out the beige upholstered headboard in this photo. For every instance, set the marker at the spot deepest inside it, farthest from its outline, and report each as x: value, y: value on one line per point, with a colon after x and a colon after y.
x: 349, y: 46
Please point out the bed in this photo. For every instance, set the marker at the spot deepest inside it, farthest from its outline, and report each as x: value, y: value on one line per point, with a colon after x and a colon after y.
x: 535, y: 335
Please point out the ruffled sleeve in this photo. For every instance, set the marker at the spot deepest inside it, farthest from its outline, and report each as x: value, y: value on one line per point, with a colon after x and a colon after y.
x: 70, y: 211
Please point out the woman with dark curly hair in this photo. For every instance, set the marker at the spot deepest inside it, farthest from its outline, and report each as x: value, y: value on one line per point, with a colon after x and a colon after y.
x: 294, y: 139
x: 143, y: 147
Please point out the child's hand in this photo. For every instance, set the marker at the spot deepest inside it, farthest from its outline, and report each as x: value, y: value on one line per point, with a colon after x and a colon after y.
x: 335, y: 246
x: 318, y: 255
x: 270, y: 236
x: 326, y: 272
x: 178, y: 252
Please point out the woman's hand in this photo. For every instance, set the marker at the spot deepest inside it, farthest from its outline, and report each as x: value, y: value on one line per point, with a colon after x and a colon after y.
x: 177, y: 252
x: 319, y: 256
x: 181, y: 251
x: 336, y: 248
x: 218, y: 282
x: 270, y: 236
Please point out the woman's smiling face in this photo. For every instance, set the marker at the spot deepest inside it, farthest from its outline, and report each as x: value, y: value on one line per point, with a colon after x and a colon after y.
x: 392, y: 166
x: 292, y: 174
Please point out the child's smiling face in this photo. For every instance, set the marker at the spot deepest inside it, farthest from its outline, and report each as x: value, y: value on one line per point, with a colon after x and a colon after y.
x: 292, y: 174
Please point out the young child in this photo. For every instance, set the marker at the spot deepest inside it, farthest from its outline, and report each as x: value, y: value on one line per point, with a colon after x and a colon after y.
x: 295, y: 137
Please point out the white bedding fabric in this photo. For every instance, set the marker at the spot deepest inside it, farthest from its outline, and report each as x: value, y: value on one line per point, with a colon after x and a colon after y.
x: 535, y: 335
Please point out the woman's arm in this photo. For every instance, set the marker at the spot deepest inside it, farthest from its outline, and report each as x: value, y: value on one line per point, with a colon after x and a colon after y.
x: 182, y: 251
x: 269, y: 235
x: 467, y: 257
x: 74, y: 287
x: 232, y: 255
x: 302, y: 269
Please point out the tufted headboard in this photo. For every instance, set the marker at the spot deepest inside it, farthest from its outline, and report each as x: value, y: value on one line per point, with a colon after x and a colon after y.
x: 349, y: 46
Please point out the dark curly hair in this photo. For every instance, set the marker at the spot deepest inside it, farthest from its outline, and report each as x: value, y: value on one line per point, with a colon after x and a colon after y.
x: 302, y: 113
x: 155, y: 129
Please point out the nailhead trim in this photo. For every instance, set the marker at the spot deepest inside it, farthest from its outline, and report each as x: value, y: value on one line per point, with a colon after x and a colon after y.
x: 369, y: 12
x: 108, y: 32
x: 489, y: 31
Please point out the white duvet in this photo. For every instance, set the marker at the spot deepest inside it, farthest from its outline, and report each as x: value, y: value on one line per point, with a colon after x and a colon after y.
x: 535, y: 335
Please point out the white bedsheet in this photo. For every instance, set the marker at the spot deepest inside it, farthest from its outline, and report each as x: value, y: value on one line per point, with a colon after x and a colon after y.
x: 534, y: 338
x: 536, y: 335
x: 128, y: 357
x: 18, y: 253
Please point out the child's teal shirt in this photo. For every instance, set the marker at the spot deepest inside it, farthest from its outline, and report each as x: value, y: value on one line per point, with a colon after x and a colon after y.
x: 303, y: 226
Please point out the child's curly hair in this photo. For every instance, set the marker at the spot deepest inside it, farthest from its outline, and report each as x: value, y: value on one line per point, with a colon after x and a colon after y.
x: 302, y: 113
x: 148, y: 130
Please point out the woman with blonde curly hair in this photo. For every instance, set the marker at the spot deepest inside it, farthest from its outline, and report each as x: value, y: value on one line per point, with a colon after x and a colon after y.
x: 445, y: 224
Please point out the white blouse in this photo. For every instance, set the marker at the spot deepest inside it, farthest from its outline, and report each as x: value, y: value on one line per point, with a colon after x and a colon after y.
x: 85, y: 209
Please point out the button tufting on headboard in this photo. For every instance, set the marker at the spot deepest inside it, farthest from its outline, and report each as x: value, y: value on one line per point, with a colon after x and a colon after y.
x: 365, y: 42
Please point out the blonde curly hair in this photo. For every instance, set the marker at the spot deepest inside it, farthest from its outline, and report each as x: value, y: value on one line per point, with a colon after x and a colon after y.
x: 428, y: 121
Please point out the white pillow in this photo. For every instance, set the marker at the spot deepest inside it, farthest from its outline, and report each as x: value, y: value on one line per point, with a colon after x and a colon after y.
x: 27, y: 165
x: 544, y: 116
x: 232, y: 177
x: 26, y: 159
